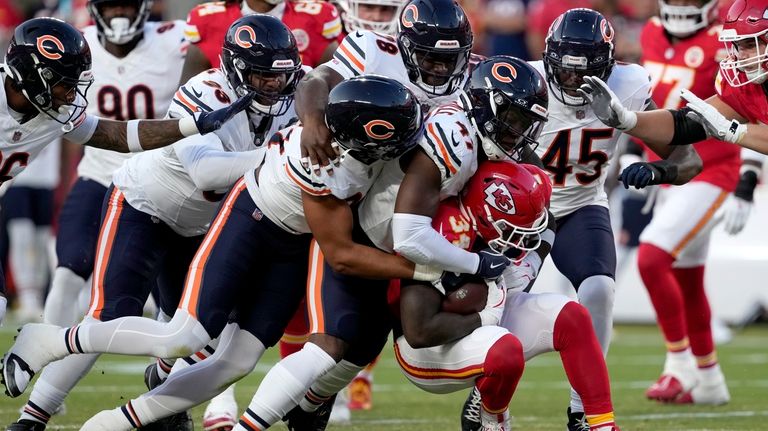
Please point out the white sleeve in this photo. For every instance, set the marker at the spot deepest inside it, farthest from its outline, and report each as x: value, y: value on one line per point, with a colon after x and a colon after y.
x: 211, y: 167
x: 84, y: 130
x: 417, y: 241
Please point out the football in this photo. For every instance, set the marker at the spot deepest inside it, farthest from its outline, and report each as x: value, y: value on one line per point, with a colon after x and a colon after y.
x: 469, y: 298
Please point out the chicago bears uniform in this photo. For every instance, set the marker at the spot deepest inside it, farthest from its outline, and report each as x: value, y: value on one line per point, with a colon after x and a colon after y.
x: 314, y: 23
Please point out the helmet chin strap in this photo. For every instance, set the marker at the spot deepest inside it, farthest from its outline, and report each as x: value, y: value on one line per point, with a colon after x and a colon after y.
x: 119, y: 31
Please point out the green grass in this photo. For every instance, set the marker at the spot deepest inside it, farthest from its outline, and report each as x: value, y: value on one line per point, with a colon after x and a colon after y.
x: 635, y: 360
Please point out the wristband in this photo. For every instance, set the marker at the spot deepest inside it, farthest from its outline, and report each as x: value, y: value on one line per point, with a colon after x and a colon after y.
x: 187, y: 126
x: 426, y: 272
x: 132, y: 134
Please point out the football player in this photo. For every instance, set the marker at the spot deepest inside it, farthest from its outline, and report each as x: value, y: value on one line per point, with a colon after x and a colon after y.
x: 46, y: 75
x: 379, y: 16
x: 128, y: 84
x: 576, y: 147
x: 314, y: 23
x: 673, y: 248
x: 160, y: 204
x: 735, y: 114
x: 271, y: 210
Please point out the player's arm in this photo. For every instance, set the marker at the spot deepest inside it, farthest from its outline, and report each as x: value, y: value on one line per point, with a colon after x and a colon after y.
x: 210, y: 166
x: 194, y: 63
x: 328, y: 52
x: 412, y: 231
x: 424, y: 324
x: 331, y: 221
x: 141, y: 135
x: 311, y: 99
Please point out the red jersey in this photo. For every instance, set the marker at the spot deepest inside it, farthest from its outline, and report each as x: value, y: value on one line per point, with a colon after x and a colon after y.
x: 690, y: 63
x: 314, y: 23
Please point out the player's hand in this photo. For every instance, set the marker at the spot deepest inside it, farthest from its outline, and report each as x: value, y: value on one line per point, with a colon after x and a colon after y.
x: 494, y: 305
x: 714, y: 123
x: 207, y: 122
x: 606, y: 105
x: 519, y: 275
x: 317, y: 150
x: 639, y: 175
x: 492, y: 264
x: 735, y: 212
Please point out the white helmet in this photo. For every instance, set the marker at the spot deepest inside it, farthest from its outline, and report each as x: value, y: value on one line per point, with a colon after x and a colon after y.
x: 350, y: 15
x: 683, y: 21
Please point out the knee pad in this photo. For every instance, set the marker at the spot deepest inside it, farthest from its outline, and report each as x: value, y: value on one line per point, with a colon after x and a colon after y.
x: 651, y: 258
x: 597, y: 292
x: 570, y: 324
x: 505, y: 357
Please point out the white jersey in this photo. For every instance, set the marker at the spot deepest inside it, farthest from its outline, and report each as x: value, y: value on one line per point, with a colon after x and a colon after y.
x: 367, y: 52
x: 451, y: 142
x: 137, y: 86
x: 45, y: 171
x: 158, y: 182
x: 576, y: 147
x: 21, y: 143
x: 282, y: 179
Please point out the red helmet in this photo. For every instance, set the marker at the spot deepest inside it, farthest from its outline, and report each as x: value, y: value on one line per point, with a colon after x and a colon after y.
x: 506, y: 203
x: 746, y: 23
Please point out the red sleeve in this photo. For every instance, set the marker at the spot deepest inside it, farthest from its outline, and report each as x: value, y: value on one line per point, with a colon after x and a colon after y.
x: 537, y: 17
x: 453, y: 225
x: 315, y: 24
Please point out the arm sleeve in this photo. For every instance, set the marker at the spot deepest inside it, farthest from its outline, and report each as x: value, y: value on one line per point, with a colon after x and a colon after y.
x: 417, y: 241
x: 210, y: 166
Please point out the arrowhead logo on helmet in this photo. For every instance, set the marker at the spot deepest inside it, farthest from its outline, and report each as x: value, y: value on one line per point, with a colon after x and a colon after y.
x: 46, y: 51
x: 500, y: 77
x: 251, y: 39
x: 497, y: 195
x: 390, y: 129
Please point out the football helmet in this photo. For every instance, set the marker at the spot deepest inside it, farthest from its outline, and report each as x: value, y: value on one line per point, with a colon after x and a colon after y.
x: 350, y: 14
x: 508, y: 105
x: 120, y: 29
x: 579, y: 43
x: 745, y: 26
x: 434, y: 34
x: 261, y: 46
x: 506, y: 203
x: 684, y: 21
x: 45, y: 53
x: 374, y: 118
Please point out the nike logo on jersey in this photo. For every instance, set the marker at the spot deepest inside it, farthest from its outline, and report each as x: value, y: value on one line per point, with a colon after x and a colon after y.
x: 196, y: 93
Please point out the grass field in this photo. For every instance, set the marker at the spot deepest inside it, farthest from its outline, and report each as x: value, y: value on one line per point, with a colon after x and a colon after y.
x: 635, y: 360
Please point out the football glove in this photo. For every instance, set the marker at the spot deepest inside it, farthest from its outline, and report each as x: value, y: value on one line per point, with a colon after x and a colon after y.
x: 714, y: 123
x: 606, y: 105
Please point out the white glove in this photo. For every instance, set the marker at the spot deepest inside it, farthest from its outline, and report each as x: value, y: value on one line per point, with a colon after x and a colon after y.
x: 735, y: 213
x: 494, y: 305
x: 518, y: 275
x: 715, y: 124
x: 606, y: 105
x: 3, y: 303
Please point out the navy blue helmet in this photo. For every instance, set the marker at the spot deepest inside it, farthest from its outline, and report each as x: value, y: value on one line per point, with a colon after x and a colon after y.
x: 579, y: 44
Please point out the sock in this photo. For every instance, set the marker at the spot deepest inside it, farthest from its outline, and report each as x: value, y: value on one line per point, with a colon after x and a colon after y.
x: 487, y: 417
x: 118, y: 419
x: 284, y: 386
x: 502, y: 369
x: 54, y: 384
x: 698, y: 315
x: 237, y: 355
x: 296, y: 332
x: 224, y: 402
x: 712, y: 373
x: 595, y: 421
x: 329, y: 384
x: 655, y: 267
x: 65, y: 286
x: 574, y: 338
x: 164, y: 367
x: 182, y: 336
x: 29, y: 263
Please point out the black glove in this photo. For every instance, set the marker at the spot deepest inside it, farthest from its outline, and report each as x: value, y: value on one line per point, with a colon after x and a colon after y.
x: 492, y: 264
x: 745, y: 189
x: 642, y: 174
x: 208, y: 122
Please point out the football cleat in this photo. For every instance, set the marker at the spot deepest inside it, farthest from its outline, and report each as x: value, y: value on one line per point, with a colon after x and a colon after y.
x: 340, y: 414
x: 299, y: 420
x: 577, y: 421
x: 28, y: 355
x: 470, y: 412
x: 495, y: 421
x: 177, y: 422
x: 677, y: 378
x: 712, y: 393
x: 26, y: 425
x: 218, y: 421
x: 360, y: 394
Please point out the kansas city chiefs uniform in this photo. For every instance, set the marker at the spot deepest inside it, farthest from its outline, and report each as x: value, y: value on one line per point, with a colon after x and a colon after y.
x: 576, y: 146
x: 691, y: 63
x: 314, y: 23
x: 158, y: 183
x: 137, y: 86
